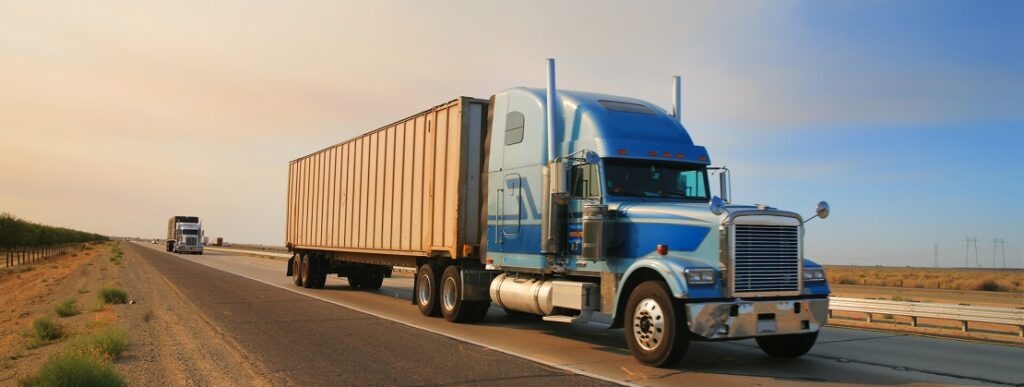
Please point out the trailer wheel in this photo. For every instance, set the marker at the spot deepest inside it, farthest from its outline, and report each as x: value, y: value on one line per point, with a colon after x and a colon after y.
x: 296, y: 276
x: 305, y: 270
x: 655, y: 331
x: 427, y: 289
x: 453, y: 307
x: 372, y: 280
x: 318, y: 269
x: 787, y: 346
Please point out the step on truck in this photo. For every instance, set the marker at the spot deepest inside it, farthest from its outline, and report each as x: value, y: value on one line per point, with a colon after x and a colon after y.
x: 184, y: 235
x: 559, y: 204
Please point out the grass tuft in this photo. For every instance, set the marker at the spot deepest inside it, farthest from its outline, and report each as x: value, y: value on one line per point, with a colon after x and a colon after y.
x: 113, y: 296
x: 108, y: 344
x: 44, y: 331
x: 75, y: 370
x: 66, y: 308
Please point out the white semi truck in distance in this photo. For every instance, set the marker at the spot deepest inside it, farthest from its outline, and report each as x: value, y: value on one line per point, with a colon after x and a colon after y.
x: 184, y: 235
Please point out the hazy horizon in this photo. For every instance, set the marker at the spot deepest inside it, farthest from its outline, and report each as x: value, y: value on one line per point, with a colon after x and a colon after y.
x: 905, y: 116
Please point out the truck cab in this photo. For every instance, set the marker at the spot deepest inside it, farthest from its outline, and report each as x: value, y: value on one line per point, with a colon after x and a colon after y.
x: 622, y: 221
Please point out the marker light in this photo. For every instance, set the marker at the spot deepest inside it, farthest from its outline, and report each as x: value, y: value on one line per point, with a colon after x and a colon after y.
x: 680, y: 156
x: 667, y: 155
x: 652, y: 153
x: 622, y: 152
x: 703, y: 158
x: 663, y: 249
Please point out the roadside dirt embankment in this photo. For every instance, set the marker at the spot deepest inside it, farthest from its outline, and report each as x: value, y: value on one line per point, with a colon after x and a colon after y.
x: 168, y: 342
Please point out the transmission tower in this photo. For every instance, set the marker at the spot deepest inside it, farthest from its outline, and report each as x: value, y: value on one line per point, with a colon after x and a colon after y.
x: 968, y: 241
x: 936, y: 246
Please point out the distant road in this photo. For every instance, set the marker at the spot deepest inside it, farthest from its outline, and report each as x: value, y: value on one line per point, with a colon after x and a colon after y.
x: 304, y: 320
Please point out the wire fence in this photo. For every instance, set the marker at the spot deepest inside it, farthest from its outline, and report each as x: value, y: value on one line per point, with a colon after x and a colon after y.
x: 30, y: 255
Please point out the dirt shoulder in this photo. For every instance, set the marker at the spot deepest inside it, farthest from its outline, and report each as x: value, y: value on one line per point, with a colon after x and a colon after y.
x: 170, y: 343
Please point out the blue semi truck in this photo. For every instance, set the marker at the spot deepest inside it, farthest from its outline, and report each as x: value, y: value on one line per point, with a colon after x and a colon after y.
x: 559, y: 204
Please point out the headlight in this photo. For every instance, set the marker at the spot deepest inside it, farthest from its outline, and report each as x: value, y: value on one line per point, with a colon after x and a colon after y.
x: 815, y: 274
x: 699, y: 276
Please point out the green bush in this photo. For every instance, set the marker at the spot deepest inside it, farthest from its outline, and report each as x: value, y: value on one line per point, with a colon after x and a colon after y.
x: 66, y: 308
x: 113, y: 296
x: 109, y: 343
x: 45, y: 329
x: 75, y: 370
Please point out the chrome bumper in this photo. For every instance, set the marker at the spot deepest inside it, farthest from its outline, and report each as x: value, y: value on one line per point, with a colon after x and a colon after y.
x: 740, y: 319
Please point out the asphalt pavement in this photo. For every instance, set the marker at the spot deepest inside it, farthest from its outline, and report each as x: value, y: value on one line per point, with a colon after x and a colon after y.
x: 317, y: 332
x: 312, y: 342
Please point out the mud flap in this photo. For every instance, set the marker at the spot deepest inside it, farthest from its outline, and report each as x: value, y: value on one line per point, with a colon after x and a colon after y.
x: 291, y: 265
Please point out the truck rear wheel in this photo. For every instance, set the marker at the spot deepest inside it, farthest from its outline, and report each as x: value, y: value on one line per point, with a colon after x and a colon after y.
x: 787, y: 346
x: 655, y: 332
x: 453, y: 307
x: 427, y: 289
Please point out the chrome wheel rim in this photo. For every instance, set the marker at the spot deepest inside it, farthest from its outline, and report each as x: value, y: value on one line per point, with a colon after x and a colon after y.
x: 449, y: 293
x: 423, y: 290
x: 648, y: 324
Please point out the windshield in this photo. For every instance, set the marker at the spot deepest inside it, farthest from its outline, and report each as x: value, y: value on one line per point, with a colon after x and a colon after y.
x: 656, y: 179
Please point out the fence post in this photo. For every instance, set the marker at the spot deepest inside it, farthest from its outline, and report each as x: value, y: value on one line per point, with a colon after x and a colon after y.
x: 913, y: 321
x: 963, y: 325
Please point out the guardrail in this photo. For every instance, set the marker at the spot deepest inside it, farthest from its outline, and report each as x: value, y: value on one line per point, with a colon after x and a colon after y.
x: 915, y: 310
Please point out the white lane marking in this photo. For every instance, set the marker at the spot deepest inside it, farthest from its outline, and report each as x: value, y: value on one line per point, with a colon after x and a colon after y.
x: 423, y: 328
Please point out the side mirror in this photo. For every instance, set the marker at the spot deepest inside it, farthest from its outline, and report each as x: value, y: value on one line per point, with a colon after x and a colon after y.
x: 822, y: 210
x: 717, y: 205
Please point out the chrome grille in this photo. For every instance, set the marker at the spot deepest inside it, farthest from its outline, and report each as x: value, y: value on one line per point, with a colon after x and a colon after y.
x: 766, y: 259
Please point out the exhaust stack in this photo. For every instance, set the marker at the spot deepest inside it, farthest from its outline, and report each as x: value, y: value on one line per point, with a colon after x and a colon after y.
x: 677, y: 98
x: 550, y: 109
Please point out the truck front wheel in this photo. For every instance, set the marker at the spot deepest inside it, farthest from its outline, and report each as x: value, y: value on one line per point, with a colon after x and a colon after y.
x: 655, y: 331
x: 426, y: 290
x: 787, y: 346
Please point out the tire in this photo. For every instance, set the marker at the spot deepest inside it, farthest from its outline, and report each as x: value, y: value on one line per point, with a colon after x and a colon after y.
x: 426, y: 290
x: 296, y: 278
x: 453, y: 308
x: 787, y: 346
x: 322, y: 267
x: 655, y: 326
x: 372, y: 280
x: 305, y: 269
x: 355, y: 280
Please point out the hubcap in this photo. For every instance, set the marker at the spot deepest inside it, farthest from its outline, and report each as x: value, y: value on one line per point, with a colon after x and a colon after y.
x: 648, y: 324
x: 423, y: 290
x: 449, y: 293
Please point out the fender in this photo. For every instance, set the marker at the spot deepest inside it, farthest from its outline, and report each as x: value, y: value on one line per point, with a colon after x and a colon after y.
x: 670, y: 269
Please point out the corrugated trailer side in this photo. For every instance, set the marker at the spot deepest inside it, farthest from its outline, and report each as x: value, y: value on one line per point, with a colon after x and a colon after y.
x: 411, y: 188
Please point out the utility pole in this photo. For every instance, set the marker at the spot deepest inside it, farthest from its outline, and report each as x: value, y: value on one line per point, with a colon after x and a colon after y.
x: 977, y: 259
x: 1002, y: 246
x: 967, y: 247
x: 936, y: 245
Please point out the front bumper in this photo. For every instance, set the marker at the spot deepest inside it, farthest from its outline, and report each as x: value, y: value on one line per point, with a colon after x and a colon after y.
x: 743, y: 318
x: 189, y: 249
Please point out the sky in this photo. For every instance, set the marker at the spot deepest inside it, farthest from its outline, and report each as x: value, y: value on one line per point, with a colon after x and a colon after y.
x: 907, y: 116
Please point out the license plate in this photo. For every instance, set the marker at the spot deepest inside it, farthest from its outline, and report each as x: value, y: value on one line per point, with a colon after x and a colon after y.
x: 764, y: 326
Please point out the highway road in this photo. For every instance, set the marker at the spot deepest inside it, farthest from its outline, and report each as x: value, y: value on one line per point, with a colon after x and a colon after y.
x: 321, y: 336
